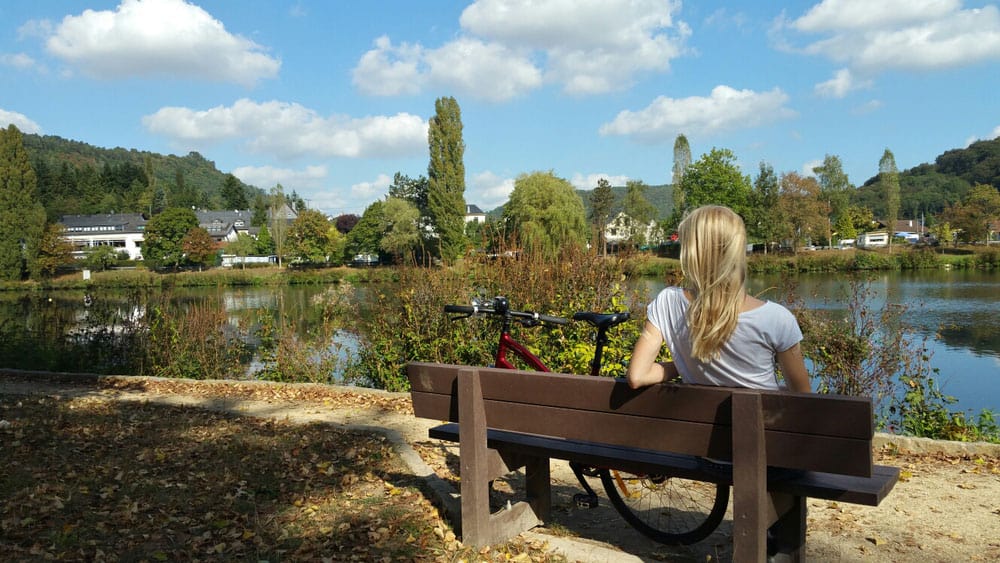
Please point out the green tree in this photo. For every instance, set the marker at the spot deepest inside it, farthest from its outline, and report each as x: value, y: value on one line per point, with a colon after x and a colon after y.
x: 889, y: 178
x: 446, y: 178
x: 546, y: 213
x: 265, y: 244
x: 54, y: 251
x: 243, y: 246
x: 413, y: 190
x: 309, y: 237
x: 638, y: 210
x: 682, y: 159
x: 763, y: 221
x: 602, y: 200
x: 366, y: 236
x: 972, y: 217
x: 103, y: 257
x: 22, y: 217
x: 199, y: 247
x: 278, y: 220
x: 805, y: 215
x: 233, y: 195
x: 164, y: 236
x: 834, y: 187
x: 716, y: 179
x: 400, y: 227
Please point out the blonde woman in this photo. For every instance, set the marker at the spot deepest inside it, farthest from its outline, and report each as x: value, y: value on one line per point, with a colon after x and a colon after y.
x: 716, y: 333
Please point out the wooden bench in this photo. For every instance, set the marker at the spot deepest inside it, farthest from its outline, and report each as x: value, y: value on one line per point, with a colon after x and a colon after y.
x: 508, y: 419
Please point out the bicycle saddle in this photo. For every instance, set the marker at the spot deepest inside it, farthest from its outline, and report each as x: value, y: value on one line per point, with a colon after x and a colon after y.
x: 602, y: 320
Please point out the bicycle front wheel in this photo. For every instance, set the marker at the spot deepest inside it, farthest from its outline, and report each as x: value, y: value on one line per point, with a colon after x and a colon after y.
x: 670, y: 510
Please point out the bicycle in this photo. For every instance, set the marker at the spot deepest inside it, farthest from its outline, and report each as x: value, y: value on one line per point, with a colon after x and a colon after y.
x: 670, y: 510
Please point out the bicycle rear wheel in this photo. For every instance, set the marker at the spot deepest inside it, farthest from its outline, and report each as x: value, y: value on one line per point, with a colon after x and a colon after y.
x: 670, y: 510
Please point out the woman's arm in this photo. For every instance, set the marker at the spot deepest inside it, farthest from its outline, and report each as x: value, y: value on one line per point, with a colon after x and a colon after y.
x: 793, y: 368
x: 643, y: 368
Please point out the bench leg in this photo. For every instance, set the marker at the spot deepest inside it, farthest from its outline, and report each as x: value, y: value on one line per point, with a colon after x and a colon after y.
x: 750, y: 500
x: 479, y: 527
x: 789, y: 531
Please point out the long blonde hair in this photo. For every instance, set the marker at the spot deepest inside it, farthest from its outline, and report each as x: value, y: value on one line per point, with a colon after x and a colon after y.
x: 713, y: 260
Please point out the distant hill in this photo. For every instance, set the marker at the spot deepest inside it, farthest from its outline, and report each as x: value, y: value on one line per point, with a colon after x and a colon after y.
x: 929, y: 188
x: 76, y: 177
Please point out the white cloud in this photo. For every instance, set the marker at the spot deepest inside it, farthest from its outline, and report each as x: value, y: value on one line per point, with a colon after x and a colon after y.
x: 18, y: 120
x: 389, y: 70
x: 726, y: 109
x: 288, y: 130
x: 589, y: 181
x: 19, y: 61
x: 513, y: 46
x: 901, y: 34
x: 992, y: 135
x: 488, y: 190
x: 832, y: 15
x: 489, y: 71
x: 158, y: 37
x: 373, y: 190
x: 807, y: 168
x: 267, y: 177
x: 842, y: 83
x: 867, y: 107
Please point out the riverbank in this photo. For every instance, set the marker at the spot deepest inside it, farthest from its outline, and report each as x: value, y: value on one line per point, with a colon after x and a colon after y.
x: 841, y: 260
x: 132, y: 278
x: 945, y: 507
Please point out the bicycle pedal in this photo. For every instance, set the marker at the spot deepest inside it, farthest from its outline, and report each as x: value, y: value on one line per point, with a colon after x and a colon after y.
x: 583, y: 500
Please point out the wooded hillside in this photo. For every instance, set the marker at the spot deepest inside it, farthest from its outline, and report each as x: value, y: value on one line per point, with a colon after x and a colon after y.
x: 930, y: 188
x: 76, y: 177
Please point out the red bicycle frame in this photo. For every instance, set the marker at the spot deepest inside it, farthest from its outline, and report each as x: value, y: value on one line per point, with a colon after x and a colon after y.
x: 509, y: 344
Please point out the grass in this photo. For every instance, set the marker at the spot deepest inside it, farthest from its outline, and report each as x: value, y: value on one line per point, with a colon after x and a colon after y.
x: 92, y: 478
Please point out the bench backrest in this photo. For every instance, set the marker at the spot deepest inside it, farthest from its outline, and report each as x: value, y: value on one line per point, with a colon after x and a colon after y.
x: 829, y: 433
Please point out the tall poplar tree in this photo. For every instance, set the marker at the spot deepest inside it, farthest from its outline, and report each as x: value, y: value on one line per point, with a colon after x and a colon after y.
x: 682, y: 159
x: 278, y: 220
x: 602, y: 199
x: 889, y: 178
x: 22, y: 217
x: 446, y: 178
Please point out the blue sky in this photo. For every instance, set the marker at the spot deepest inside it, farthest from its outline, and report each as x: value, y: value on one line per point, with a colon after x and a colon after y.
x: 331, y: 99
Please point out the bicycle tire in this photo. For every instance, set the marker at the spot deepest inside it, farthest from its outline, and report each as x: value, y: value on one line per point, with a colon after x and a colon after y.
x: 669, y: 510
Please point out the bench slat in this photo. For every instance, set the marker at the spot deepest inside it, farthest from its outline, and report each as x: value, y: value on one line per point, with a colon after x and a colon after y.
x: 699, y: 437
x: 867, y: 491
x: 823, y: 415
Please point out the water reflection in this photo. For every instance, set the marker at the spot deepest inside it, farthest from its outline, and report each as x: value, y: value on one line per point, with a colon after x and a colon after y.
x: 958, y: 311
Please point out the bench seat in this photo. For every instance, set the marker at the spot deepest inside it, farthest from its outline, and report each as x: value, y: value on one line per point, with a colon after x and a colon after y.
x: 867, y: 491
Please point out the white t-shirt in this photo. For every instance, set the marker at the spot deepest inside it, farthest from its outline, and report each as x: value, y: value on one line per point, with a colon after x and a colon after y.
x: 746, y: 360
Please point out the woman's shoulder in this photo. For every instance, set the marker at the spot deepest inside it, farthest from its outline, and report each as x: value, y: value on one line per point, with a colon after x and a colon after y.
x: 671, y: 293
x: 773, y: 309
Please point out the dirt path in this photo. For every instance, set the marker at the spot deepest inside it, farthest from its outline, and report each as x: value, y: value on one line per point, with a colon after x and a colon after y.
x: 945, y: 508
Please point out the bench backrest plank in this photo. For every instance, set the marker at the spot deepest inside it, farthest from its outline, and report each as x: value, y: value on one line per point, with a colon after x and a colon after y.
x: 802, y: 431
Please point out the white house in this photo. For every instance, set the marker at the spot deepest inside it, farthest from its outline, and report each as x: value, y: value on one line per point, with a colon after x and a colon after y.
x: 474, y: 215
x: 621, y: 228
x: 225, y: 226
x: 121, y: 231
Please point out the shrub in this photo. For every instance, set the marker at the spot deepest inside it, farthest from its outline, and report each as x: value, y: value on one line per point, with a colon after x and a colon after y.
x: 408, y: 323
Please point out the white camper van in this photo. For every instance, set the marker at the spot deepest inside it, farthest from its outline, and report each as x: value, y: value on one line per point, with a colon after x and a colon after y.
x: 873, y: 240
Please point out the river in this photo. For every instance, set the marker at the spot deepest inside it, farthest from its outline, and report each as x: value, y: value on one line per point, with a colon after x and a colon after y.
x: 958, y: 311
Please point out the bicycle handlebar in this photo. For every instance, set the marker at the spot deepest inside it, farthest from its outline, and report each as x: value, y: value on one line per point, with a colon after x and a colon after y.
x: 471, y: 310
